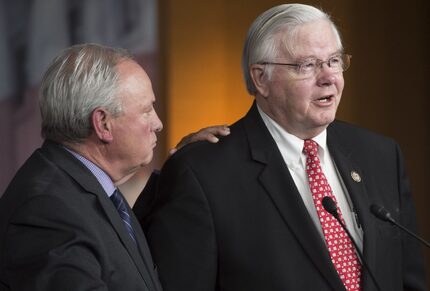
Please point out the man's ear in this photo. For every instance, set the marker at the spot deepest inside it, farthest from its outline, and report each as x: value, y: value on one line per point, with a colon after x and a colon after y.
x: 259, y: 77
x: 101, y: 121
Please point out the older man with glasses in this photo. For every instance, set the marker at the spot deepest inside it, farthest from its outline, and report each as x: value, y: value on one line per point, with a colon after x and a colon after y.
x: 248, y: 214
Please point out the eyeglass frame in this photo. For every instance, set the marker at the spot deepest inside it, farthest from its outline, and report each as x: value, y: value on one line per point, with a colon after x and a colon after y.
x: 319, y: 63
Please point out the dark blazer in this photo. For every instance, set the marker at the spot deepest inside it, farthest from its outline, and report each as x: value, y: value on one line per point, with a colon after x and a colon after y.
x: 60, y: 231
x: 228, y: 216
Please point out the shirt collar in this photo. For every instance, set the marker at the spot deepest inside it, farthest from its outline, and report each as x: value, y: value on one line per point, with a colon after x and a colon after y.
x: 101, y: 176
x: 291, y: 143
x: 321, y: 140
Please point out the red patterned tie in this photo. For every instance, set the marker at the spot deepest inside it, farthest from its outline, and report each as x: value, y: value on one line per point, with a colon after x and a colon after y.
x: 341, y: 249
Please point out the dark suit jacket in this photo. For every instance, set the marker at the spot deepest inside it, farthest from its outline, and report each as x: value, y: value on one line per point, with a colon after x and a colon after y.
x: 60, y: 231
x: 228, y: 216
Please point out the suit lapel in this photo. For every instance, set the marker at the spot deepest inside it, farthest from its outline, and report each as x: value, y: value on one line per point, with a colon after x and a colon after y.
x: 86, y: 179
x: 346, y: 166
x: 144, y: 250
x: 279, y: 185
x: 139, y: 253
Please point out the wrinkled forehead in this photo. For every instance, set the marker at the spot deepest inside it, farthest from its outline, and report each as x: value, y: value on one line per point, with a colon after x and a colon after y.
x: 306, y: 40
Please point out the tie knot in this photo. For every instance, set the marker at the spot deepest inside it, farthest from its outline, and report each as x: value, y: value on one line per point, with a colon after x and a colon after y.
x: 310, y: 148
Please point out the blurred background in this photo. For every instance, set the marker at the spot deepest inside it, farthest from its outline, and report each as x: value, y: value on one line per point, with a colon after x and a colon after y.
x: 191, y: 49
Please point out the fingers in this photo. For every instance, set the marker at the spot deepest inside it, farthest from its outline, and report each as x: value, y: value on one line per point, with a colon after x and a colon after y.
x: 208, y: 134
x: 215, y: 130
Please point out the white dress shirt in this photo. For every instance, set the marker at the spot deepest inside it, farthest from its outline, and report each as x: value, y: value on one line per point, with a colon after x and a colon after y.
x: 291, y: 148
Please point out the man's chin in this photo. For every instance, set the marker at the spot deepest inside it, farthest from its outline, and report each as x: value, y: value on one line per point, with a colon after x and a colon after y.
x: 147, y: 160
x: 325, y: 119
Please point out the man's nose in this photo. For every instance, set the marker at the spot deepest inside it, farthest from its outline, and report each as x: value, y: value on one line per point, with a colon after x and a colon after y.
x: 157, y: 125
x: 325, y: 76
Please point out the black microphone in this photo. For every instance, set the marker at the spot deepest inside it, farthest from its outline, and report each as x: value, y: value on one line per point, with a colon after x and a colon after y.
x: 330, y: 206
x: 383, y: 214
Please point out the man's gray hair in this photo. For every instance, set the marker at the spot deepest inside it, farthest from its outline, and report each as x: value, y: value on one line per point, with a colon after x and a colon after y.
x: 261, y: 43
x: 79, y: 80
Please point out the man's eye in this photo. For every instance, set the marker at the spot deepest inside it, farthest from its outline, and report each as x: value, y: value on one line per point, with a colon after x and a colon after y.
x: 147, y: 112
x: 308, y: 65
x: 335, y: 60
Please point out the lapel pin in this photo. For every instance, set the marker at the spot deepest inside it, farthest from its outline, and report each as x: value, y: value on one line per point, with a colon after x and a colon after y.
x: 355, y: 176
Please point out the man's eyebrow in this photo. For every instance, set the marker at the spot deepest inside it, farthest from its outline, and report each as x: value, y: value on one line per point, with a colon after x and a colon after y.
x: 303, y: 58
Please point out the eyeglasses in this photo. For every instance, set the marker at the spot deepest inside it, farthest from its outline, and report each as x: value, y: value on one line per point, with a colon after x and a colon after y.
x: 311, y: 67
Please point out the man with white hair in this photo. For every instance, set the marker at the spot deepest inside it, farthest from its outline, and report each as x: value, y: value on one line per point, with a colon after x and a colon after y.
x: 64, y: 224
x: 247, y: 214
